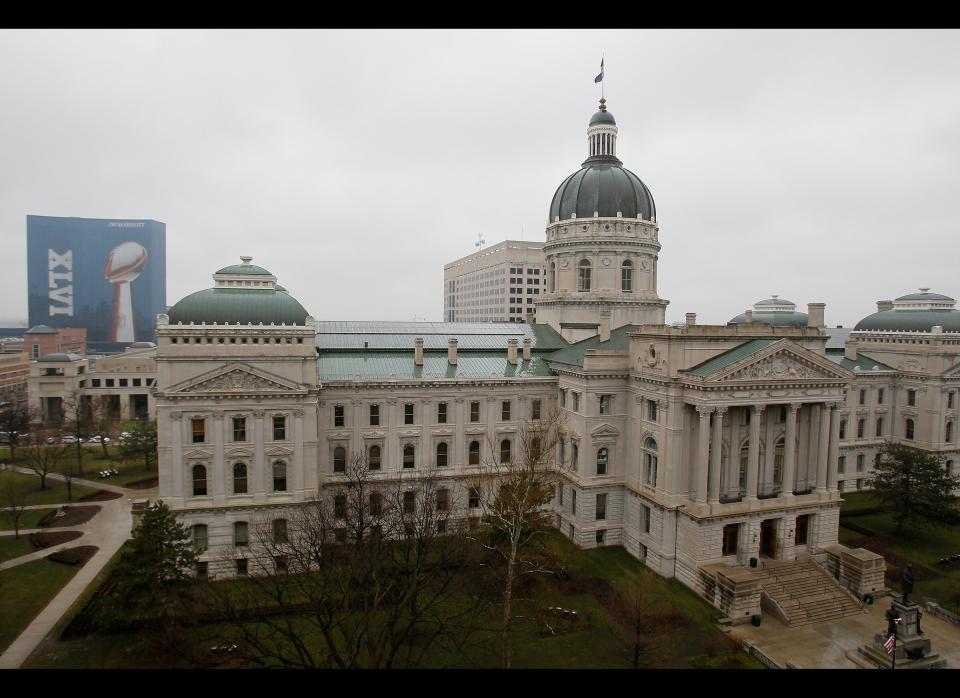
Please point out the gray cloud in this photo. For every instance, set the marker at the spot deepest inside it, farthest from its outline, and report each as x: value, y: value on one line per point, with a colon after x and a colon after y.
x: 354, y: 164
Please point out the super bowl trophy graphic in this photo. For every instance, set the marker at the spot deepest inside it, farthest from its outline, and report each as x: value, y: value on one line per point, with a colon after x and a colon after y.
x: 124, y: 264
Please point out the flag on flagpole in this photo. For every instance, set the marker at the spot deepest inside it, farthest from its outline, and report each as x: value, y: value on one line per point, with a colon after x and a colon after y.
x: 888, y: 645
x: 599, y: 78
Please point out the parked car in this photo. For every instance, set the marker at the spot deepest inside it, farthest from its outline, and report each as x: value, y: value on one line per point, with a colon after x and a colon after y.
x: 71, y: 439
x: 97, y: 439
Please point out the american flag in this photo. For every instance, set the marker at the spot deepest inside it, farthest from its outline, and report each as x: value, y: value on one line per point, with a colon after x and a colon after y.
x: 888, y: 645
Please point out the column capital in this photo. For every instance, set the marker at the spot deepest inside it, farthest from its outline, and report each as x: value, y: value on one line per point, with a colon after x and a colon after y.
x: 259, y: 413
x: 795, y: 406
x: 704, y: 410
x: 758, y: 408
x: 176, y: 415
x: 722, y: 410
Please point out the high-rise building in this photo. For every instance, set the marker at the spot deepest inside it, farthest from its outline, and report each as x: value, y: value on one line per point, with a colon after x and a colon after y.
x: 105, y: 275
x: 501, y: 283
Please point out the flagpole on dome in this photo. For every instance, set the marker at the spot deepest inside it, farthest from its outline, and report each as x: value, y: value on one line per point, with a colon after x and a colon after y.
x: 599, y: 79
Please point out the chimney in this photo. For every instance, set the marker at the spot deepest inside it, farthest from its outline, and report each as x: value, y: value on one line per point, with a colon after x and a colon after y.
x: 815, y: 314
x: 452, y: 352
x: 418, y: 351
x: 526, y: 349
x: 604, y: 325
x: 691, y: 319
x: 512, y: 351
x: 850, y: 349
x: 884, y: 305
x: 748, y: 316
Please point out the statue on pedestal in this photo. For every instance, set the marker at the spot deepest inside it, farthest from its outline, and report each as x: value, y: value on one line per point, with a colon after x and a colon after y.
x: 906, y: 582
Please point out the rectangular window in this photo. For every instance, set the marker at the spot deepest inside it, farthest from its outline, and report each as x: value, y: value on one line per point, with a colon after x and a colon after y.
x: 280, y: 428
x: 408, y: 413
x: 605, y: 403
x: 200, y: 537
x: 645, y: 518
x: 880, y: 426
x: 123, y: 382
x: 409, y: 502
x: 880, y: 396
x: 442, y: 413
x: 201, y: 569
x: 109, y: 382
x: 198, y: 430
x: 949, y: 399
x: 912, y: 398
x: 563, y: 397
x: 601, y: 507
x: 95, y: 382
x: 841, y: 464
x: 730, y: 535
x: 573, y: 501
x: 863, y: 396
x: 505, y: 411
x: 374, y: 415
x: 280, y: 531
x: 652, y: 410
x: 376, y: 504
x: 474, y: 411
x: 860, y: 461
x: 474, y: 501
x: 860, y: 428
x: 240, y: 534
x: 443, y: 500
x: 338, y: 419
x: 535, y: 411
x: 242, y: 567
x: 600, y: 536
x: 239, y: 428
x: 340, y: 506
x: 136, y: 383
x: 576, y: 402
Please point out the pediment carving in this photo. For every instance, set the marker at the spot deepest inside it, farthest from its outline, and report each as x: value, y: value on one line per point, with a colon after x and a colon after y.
x: 236, y: 380
x: 784, y: 363
x: 605, y: 430
x: 777, y: 366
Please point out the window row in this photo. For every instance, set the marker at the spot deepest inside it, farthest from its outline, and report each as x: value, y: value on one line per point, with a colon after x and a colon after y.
x: 585, y: 276
x: 198, y: 429
x: 239, y: 479
x: 442, y: 413
x: 233, y: 340
x: 375, y: 455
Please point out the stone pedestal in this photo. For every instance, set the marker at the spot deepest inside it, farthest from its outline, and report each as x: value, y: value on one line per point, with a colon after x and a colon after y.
x: 913, y: 650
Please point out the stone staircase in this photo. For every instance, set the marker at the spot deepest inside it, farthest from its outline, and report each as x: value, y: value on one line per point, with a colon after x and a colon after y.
x: 803, y: 592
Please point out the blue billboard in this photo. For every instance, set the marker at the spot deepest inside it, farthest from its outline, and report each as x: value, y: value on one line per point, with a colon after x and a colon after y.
x: 107, y: 275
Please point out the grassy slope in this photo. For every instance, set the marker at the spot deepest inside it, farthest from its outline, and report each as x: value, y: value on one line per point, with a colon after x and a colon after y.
x: 54, y: 493
x: 24, y: 591
x: 11, y: 547
x: 28, y: 520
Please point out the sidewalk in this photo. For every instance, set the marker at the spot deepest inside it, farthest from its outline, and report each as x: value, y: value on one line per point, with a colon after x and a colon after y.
x: 108, y: 530
x: 43, y: 552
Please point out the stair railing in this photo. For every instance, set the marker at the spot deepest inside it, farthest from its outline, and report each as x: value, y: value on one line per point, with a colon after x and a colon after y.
x: 849, y: 593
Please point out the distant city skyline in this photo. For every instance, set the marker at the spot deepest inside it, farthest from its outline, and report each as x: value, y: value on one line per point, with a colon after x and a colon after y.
x: 816, y: 165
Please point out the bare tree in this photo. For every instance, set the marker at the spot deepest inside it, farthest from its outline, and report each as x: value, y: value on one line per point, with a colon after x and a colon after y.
x: 15, y: 421
x: 365, y: 576
x: 642, y: 611
x: 77, y: 420
x: 103, y: 421
x: 513, y: 489
x: 45, y: 456
x: 13, y: 500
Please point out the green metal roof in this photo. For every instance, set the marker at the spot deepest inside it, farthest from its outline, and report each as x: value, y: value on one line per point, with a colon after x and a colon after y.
x: 711, y: 366
x: 604, y: 187
x: 399, y: 365
x: 251, y: 269
x: 573, y: 355
x: 781, y: 318
x: 864, y: 363
x: 41, y: 329
x: 602, y: 117
x: 347, y: 335
x: 235, y: 306
x: 926, y: 296
x: 911, y: 320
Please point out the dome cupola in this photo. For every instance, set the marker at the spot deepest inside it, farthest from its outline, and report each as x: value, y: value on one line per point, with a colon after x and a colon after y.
x: 914, y: 312
x: 775, y: 311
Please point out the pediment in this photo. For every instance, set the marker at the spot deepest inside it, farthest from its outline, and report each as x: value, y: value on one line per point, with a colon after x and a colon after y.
x: 236, y: 379
x: 278, y: 451
x: 198, y: 454
x: 785, y: 361
x: 239, y: 453
x: 953, y: 370
x: 605, y: 430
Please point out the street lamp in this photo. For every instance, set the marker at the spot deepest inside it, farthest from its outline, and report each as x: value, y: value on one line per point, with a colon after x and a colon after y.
x: 896, y: 621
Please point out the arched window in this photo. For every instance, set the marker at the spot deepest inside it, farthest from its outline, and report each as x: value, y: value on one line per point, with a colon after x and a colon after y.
x: 474, y: 453
x: 441, y: 455
x: 552, y: 278
x: 239, y: 478
x: 279, y: 476
x: 339, y: 459
x: 409, y: 456
x: 603, y: 457
x: 505, y: 451
x: 948, y: 437
x: 199, y: 480
x: 626, y: 277
x: 778, y: 450
x: 650, y: 462
x: 583, y: 275
x: 373, y: 458
x: 910, y: 429
x: 744, y: 461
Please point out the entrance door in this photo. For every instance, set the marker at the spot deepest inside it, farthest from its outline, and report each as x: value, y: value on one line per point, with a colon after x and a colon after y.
x: 802, y: 524
x: 768, y: 538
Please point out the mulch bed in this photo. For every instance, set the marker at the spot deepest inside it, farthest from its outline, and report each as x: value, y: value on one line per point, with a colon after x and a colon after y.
x: 75, y: 557
x: 100, y: 496
x: 47, y: 539
x: 74, y: 517
x: 145, y: 484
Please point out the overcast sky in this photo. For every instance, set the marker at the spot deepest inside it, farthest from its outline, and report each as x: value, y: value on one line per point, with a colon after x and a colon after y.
x: 820, y: 165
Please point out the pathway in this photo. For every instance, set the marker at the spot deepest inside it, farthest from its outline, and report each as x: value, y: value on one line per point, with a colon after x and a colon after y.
x: 108, y: 530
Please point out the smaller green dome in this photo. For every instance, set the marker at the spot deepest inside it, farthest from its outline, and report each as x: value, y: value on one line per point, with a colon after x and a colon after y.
x: 238, y: 306
x: 603, y: 117
x: 251, y: 269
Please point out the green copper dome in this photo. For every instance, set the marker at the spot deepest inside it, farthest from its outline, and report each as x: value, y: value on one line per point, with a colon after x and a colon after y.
x: 602, y: 186
x: 238, y: 306
x: 251, y: 269
x: 911, y: 320
x: 603, y: 117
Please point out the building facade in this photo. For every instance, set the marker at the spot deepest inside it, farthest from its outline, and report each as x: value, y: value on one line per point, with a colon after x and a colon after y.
x: 501, y: 283
x: 697, y: 448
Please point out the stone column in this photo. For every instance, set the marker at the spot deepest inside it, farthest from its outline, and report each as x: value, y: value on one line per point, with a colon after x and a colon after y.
x: 219, y: 488
x: 298, y: 462
x: 790, y: 451
x: 733, y: 456
x: 258, y: 477
x: 700, y: 469
x: 715, y: 454
x: 834, y: 449
x: 753, y: 459
x: 824, y: 448
x: 178, y: 465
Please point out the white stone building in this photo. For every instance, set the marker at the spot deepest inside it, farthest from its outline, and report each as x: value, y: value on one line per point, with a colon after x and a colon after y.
x: 698, y: 448
x: 500, y: 283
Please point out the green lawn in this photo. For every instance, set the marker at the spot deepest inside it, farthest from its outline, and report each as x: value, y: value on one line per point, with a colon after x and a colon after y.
x: 94, y: 462
x: 11, y: 547
x: 24, y: 591
x: 55, y: 491
x: 687, y: 637
x: 854, y: 502
x: 28, y: 520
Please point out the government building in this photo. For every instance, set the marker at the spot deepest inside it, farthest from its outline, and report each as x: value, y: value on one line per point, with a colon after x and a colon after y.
x: 716, y: 454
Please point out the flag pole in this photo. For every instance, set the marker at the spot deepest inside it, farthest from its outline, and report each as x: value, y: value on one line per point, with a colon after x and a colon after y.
x: 603, y: 70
